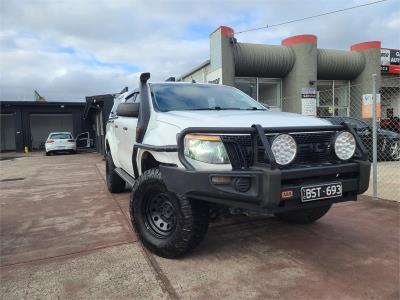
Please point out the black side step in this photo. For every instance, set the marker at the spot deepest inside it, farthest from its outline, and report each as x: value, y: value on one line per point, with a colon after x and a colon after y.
x: 125, y: 176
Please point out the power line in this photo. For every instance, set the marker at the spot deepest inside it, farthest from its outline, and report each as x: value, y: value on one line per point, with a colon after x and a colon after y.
x: 309, y: 17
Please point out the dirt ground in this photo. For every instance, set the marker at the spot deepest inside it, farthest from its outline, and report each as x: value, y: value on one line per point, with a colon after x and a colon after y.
x: 64, y: 236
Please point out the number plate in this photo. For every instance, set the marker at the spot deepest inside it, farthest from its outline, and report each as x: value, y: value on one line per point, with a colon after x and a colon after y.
x: 322, y: 191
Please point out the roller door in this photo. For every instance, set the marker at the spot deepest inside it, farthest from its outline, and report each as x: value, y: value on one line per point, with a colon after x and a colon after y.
x: 42, y: 124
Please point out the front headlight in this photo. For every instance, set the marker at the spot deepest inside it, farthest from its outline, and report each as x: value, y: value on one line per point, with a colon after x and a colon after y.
x: 345, y: 145
x: 206, y: 148
x: 284, y: 148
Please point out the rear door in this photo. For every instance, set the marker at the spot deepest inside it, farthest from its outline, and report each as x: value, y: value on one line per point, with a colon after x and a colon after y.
x: 126, y: 132
x: 112, y: 128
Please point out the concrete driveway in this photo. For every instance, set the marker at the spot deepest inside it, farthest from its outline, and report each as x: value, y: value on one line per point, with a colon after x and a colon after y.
x: 64, y: 236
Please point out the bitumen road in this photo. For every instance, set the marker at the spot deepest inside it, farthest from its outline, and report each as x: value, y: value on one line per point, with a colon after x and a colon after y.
x: 63, y: 235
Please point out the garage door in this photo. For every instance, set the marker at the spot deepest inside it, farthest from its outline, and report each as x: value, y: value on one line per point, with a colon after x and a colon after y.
x: 7, y: 132
x: 42, y: 124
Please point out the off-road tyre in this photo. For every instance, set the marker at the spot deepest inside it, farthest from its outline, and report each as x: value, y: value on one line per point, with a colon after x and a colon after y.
x: 187, y: 219
x: 304, y: 216
x: 115, y: 184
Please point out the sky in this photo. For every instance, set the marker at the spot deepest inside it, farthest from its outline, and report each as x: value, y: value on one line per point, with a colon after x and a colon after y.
x: 69, y: 49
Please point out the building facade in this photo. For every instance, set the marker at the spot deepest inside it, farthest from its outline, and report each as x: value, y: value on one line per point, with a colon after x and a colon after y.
x: 297, y: 76
x: 28, y: 123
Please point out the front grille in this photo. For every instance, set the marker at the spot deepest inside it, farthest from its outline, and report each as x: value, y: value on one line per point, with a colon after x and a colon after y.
x: 312, y: 148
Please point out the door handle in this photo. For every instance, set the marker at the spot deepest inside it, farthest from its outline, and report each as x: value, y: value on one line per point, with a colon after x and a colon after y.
x: 125, y: 128
x: 116, y: 126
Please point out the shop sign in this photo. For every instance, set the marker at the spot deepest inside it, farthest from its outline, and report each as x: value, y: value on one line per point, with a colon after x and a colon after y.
x: 215, y: 77
x: 390, y: 61
x: 367, y: 102
x: 309, y: 101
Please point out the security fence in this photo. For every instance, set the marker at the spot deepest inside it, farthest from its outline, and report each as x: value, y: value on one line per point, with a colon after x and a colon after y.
x: 340, y: 101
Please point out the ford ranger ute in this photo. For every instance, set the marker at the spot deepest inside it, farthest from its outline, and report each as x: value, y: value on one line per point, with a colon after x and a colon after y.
x: 187, y: 149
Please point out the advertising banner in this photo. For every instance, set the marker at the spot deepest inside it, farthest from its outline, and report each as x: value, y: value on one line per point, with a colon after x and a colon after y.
x: 367, y: 106
x: 390, y: 61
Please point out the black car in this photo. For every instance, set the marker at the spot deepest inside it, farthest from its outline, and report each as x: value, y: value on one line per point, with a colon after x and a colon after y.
x: 388, y: 141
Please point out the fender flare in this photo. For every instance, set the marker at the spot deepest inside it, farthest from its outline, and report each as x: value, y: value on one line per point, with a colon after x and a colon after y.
x: 153, y: 150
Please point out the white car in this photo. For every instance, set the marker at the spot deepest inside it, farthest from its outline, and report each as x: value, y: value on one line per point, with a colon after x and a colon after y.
x: 189, y: 150
x: 60, y: 142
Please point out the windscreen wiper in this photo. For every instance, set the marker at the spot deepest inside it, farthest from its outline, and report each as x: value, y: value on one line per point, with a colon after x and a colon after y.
x: 255, y: 108
x: 214, y: 108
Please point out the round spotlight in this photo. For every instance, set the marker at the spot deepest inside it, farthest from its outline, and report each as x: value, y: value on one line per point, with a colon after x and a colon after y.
x: 345, y: 145
x: 284, y: 148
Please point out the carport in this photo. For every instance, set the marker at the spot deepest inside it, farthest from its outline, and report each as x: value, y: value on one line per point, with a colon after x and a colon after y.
x: 42, y: 124
x: 96, y: 112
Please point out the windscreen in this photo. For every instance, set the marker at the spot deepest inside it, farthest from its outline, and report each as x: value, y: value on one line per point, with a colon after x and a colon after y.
x: 172, y: 97
x: 60, y: 136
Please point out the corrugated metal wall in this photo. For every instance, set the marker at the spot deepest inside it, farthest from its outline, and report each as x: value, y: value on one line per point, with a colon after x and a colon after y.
x: 255, y: 60
x: 339, y: 64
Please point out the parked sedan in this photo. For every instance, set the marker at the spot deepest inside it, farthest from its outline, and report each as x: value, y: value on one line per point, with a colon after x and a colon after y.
x: 60, y: 142
x: 393, y: 124
x: 388, y: 141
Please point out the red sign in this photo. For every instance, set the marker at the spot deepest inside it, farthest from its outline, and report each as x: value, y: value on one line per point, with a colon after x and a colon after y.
x: 390, y: 61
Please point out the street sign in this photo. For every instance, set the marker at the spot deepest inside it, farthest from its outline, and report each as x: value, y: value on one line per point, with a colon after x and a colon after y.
x: 309, y: 101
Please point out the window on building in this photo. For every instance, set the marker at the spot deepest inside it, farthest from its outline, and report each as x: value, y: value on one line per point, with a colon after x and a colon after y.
x: 248, y: 86
x: 333, y: 98
x: 269, y: 91
x: 264, y: 90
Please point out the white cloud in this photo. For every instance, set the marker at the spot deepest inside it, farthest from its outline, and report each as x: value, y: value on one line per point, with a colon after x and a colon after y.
x: 68, y: 49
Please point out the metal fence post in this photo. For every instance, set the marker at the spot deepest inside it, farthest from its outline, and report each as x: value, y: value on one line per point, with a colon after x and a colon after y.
x: 374, y: 141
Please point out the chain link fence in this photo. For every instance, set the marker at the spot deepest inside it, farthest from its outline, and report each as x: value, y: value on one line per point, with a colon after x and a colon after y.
x: 340, y: 101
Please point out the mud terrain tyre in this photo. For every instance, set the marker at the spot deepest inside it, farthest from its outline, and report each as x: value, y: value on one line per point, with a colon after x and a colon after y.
x: 115, y: 184
x: 304, y: 216
x: 168, y: 224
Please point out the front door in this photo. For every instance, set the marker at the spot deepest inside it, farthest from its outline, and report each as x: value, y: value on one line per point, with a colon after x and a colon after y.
x: 127, y: 138
x: 83, y: 141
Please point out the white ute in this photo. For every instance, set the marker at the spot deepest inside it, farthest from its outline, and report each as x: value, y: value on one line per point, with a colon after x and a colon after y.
x: 190, y: 150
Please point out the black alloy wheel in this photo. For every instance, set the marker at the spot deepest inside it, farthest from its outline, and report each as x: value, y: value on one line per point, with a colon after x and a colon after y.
x: 394, y: 151
x: 160, y: 214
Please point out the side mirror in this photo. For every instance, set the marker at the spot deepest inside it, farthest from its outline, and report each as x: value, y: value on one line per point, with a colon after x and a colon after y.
x: 128, y: 110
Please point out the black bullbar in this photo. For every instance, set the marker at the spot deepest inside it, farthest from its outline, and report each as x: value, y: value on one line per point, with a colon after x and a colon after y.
x: 264, y: 186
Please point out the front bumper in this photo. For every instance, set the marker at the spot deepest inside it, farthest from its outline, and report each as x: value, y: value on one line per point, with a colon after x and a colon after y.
x: 268, y: 185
